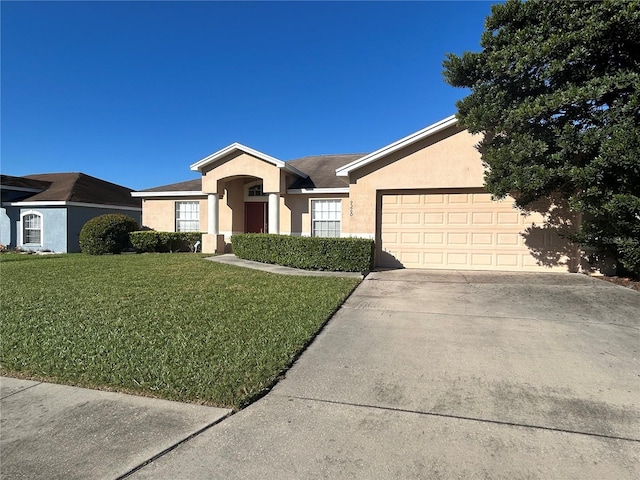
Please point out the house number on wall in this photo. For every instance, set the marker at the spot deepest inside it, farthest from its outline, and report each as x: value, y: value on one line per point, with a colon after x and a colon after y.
x: 351, y: 208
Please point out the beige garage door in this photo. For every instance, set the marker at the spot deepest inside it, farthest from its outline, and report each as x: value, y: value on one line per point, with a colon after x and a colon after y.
x: 461, y: 230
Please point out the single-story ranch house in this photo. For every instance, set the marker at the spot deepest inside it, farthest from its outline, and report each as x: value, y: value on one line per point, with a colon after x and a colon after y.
x: 47, y: 211
x: 421, y: 198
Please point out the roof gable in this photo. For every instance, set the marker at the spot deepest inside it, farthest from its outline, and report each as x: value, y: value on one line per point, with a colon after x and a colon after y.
x: 237, y: 147
x: 397, y: 145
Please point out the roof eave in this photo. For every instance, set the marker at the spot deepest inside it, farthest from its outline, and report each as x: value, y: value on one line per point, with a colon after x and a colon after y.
x: 397, y: 145
x: 172, y: 193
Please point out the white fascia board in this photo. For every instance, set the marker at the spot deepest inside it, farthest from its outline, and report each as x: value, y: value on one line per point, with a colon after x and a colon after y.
x: 198, y: 166
x: 301, y: 191
x: 188, y: 193
x: 63, y: 203
x: 395, y: 146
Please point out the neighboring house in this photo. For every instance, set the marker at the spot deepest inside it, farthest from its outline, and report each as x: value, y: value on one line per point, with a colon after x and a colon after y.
x: 47, y: 211
x: 421, y: 199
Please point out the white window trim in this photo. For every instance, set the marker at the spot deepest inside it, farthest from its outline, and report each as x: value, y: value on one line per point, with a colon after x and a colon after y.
x: 24, y: 214
x: 176, y: 210
x: 313, y: 220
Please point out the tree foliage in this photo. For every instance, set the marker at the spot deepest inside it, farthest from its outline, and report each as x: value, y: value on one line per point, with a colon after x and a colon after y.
x: 555, y: 93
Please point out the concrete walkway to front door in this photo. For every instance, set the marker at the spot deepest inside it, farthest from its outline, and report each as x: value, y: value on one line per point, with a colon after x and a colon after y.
x: 426, y: 374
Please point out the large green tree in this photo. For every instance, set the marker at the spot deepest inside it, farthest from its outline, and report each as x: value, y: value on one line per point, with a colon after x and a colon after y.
x: 555, y: 91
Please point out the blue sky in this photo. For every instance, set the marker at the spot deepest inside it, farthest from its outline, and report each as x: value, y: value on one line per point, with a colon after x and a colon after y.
x: 135, y: 92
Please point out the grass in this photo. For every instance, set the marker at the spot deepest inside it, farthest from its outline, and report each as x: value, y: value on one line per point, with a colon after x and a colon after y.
x: 170, y: 326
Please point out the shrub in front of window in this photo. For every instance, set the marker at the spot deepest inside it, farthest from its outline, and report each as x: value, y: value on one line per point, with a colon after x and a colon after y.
x: 152, y: 241
x: 145, y: 241
x: 107, y: 233
x: 308, y: 253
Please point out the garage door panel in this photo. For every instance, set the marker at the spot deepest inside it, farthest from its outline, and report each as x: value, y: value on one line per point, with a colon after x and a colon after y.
x: 508, y: 239
x: 434, y: 218
x: 509, y: 218
x: 458, y: 239
x: 411, y: 218
x: 433, y: 239
x: 461, y: 198
x: 411, y: 238
x: 389, y: 218
x: 434, y: 199
x: 481, y: 260
x: 460, y: 230
x: 482, y: 239
x: 457, y: 259
x: 482, y: 218
x: 457, y: 218
x: 410, y: 200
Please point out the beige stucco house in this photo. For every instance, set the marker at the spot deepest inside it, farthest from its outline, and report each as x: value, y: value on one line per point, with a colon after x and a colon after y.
x: 420, y: 198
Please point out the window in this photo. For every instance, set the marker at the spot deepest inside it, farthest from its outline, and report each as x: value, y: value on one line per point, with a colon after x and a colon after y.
x: 32, y: 229
x: 326, y: 215
x: 255, y: 190
x: 187, y: 216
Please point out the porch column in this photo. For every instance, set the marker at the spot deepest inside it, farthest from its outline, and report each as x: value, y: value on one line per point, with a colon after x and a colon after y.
x: 274, y: 213
x: 212, y: 214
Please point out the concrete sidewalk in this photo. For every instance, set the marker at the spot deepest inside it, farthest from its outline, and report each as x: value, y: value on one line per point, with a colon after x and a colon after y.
x: 53, y: 432
x: 446, y: 375
x: 231, y: 259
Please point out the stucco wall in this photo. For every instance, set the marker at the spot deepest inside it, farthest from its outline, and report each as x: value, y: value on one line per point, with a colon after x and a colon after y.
x: 160, y: 213
x: 295, y: 212
x: 447, y: 159
x: 241, y: 164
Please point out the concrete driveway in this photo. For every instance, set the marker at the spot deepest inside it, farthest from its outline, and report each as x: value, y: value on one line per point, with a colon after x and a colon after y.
x: 426, y: 374
x: 421, y: 374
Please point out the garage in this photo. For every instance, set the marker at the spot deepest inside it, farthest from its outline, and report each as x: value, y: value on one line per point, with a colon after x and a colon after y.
x: 458, y: 230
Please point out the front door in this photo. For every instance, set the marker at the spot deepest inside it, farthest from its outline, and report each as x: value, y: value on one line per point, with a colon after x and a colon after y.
x: 255, y: 217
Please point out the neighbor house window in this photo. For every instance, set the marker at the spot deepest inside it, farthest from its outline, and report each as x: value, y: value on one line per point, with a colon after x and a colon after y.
x: 326, y: 218
x: 187, y: 216
x: 32, y: 229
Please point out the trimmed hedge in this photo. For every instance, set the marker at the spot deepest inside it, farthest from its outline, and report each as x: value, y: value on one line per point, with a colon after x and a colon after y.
x: 107, y: 233
x: 152, y: 241
x: 308, y: 253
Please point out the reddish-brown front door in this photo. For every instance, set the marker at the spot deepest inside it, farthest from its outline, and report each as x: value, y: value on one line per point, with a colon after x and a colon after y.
x: 255, y: 217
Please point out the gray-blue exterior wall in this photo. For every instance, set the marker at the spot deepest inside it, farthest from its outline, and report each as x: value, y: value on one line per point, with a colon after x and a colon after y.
x: 78, y: 216
x: 60, y: 225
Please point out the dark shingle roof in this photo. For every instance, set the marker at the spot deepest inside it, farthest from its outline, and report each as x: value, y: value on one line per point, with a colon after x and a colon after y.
x: 322, y: 170
x: 23, y: 183
x: 194, y: 185
x: 77, y: 187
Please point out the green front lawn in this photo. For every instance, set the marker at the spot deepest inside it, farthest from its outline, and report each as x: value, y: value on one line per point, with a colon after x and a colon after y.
x: 168, y: 325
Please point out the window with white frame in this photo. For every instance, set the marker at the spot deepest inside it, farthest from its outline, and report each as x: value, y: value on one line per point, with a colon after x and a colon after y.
x: 326, y: 216
x: 187, y: 216
x: 32, y: 229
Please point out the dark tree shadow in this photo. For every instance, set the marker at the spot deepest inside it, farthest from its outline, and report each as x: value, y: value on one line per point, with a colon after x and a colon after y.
x: 549, y: 238
x: 386, y: 261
